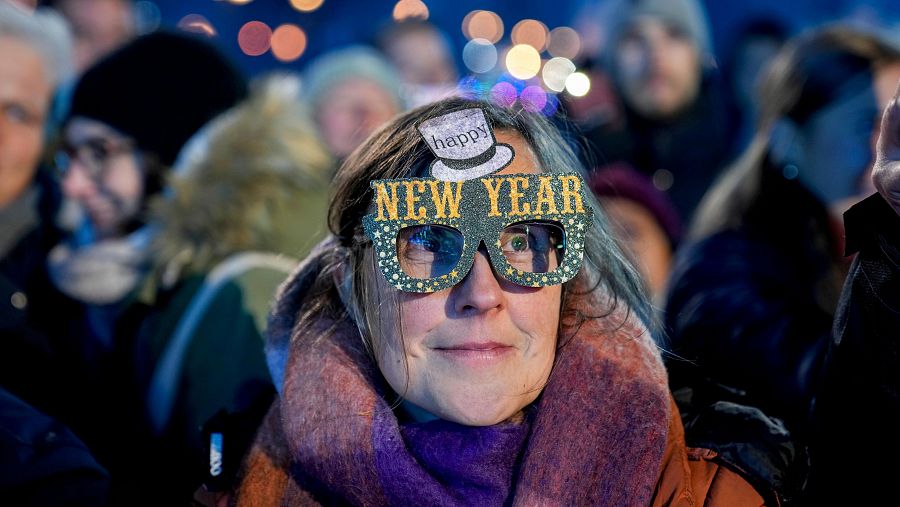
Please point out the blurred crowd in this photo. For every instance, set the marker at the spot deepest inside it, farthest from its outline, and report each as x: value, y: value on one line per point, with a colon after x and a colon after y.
x: 152, y: 200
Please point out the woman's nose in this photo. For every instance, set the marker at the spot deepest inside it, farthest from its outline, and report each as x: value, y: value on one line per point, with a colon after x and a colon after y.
x: 480, y: 290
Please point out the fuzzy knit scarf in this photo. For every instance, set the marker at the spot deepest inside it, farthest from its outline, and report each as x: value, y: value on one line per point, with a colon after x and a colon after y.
x: 596, y: 435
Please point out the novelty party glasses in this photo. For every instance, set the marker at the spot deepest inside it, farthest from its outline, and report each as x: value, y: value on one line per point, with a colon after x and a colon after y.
x: 426, y: 231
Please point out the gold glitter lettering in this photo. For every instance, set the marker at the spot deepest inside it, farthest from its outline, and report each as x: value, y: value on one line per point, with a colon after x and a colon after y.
x: 545, y: 197
x: 515, y: 195
x: 445, y: 199
x: 493, y: 194
x: 411, y: 199
x: 386, y: 203
x: 571, y: 193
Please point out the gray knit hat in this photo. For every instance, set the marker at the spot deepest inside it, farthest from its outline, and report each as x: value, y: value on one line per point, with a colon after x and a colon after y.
x: 688, y: 15
x: 353, y: 62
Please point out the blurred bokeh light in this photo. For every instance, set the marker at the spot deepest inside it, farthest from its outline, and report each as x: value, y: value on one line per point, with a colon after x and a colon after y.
x: 288, y: 42
x: 255, y: 38
x: 531, y: 32
x: 196, y: 23
x: 147, y: 16
x: 523, y: 61
x: 410, y: 9
x: 480, y: 55
x: 578, y: 84
x: 533, y: 99
x: 564, y: 42
x: 556, y: 71
x: 504, y: 94
x: 483, y: 25
x: 306, y: 5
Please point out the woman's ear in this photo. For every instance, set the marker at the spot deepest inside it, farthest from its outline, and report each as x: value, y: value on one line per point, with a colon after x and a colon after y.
x: 786, y: 143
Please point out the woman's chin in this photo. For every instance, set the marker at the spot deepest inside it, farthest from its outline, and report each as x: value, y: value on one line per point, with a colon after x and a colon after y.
x: 474, y: 413
x: 465, y: 412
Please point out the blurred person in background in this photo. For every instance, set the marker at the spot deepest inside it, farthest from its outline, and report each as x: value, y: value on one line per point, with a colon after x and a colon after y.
x: 98, y: 27
x: 643, y: 220
x: 34, y: 60
x: 130, y: 115
x: 352, y: 92
x: 248, y: 198
x: 423, y: 56
x: 41, y: 461
x: 752, y: 297
x: 677, y: 126
x: 755, y: 46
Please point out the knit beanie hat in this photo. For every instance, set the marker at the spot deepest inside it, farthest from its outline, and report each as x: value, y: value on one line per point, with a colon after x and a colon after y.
x: 620, y: 180
x: 356, y: 62
x: 687, y: 15
x: 159, y: 90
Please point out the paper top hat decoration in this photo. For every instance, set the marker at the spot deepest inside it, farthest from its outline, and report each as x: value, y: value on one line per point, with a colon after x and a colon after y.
x: 464, y: 145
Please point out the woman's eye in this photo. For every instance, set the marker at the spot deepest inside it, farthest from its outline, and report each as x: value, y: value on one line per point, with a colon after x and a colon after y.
x: 518, y: 240
x: 519, y: 243
x: 425, y: 240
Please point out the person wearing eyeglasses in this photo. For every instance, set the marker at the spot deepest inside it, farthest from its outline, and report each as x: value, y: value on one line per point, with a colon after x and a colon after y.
x: 471, y: 335
x: 130, y: 115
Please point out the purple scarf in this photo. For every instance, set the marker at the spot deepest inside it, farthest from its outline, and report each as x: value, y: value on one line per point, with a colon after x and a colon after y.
x: 596, y: 435
x: 444, y: 463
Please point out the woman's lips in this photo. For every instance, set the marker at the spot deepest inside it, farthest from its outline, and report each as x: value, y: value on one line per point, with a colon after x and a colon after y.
x: 476, y: 353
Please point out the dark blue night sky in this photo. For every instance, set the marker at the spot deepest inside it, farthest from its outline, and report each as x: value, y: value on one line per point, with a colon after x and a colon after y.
x: 341, y: 22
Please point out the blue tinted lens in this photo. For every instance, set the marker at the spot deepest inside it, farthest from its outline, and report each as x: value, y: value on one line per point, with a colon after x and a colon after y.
x: 429, y: 251
x: 533, y: 247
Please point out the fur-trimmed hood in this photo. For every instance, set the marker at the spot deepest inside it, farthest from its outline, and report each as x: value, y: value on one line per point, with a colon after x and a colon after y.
x: 255, y: 178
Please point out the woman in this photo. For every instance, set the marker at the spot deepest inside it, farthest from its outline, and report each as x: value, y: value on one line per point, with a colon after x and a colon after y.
x: 752, y: 297
x: 130, y: 115
x: 500, y: 385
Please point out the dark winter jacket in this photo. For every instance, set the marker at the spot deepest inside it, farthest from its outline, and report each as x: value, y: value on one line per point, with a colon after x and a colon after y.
x: 857, y: 409
x: 42, y: 463
x: 28, y: 351
x: 750, y: 306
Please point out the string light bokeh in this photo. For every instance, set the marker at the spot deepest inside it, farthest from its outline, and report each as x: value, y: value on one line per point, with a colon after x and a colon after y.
x: 536, y: 63
x: 506, y: 59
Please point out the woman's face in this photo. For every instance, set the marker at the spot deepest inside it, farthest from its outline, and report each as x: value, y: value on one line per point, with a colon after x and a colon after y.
x: 103, y: 175
x: 480, y: 351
